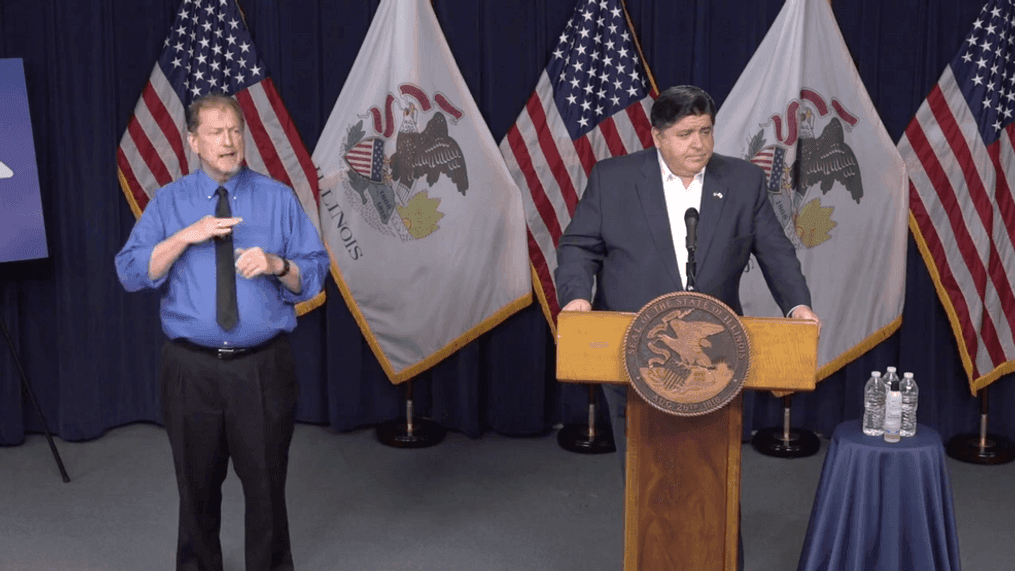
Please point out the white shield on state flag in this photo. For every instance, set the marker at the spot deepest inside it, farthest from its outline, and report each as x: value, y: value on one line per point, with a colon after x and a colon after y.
x: 417, y: 206
x: 835, y: 179
x: 366, y: 158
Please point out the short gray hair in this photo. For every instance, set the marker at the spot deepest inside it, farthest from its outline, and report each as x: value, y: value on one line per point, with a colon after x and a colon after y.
x: 211, y: 101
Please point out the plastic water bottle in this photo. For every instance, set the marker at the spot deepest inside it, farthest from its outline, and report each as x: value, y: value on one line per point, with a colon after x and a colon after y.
x: 910, y: 394
x: 890, y: 375
x: 874, y: 405
x: 893, y: 412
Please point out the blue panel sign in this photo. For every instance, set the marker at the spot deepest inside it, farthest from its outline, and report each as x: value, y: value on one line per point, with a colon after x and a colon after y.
x: 22, y: 233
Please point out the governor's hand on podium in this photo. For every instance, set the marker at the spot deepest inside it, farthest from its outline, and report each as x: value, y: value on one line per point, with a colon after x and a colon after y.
x: 577, y: 305
x: 807, y: 314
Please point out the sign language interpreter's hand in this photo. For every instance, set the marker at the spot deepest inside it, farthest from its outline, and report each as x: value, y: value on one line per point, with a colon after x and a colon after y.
x: 253, y: 262
x: 209, y: 227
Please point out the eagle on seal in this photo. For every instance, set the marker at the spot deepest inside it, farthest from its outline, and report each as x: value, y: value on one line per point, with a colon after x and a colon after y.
x: 688, y: 344
x: 428, y: 153
x: 826, y: 159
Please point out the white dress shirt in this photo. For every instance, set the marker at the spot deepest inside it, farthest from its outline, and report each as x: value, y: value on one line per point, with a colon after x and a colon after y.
x: 678, y: 199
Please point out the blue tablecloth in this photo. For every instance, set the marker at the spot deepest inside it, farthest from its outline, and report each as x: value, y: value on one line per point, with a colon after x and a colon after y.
x: 882, y: 506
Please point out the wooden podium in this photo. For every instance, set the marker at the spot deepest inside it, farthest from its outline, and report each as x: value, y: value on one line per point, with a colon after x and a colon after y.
x: 682, y: 500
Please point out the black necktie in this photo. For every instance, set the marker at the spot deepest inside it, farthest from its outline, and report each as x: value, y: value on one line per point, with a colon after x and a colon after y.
x: 225, y: 269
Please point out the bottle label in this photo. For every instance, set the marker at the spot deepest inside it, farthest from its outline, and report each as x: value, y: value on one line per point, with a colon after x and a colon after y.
x: 893, y: 412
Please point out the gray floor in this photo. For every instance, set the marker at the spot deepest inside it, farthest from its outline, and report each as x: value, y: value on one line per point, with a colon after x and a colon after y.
x: 490, y: 504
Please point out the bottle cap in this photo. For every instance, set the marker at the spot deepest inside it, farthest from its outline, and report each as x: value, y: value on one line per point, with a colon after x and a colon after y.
x: 875, y: 373
x: 891, y: 369
x: 907, y: 375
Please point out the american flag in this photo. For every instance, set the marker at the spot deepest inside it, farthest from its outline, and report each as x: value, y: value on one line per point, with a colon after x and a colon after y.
x: 592, y: 102
x: 210, y: 50
x: 959, y: 153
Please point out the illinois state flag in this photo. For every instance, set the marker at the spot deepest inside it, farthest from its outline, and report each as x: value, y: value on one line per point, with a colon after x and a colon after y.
x: 423, y: 221
x: 835, y: 179
x: 959, y: 150
x: 209, y: 49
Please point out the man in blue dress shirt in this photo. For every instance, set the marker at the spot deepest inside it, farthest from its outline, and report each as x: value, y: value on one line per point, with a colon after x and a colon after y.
x: 231, y: 252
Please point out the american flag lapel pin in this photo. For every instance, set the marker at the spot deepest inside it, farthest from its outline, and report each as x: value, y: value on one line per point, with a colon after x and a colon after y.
x: 717, y: 195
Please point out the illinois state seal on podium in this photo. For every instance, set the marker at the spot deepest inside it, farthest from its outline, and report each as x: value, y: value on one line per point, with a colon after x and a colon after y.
x: 687, y: 353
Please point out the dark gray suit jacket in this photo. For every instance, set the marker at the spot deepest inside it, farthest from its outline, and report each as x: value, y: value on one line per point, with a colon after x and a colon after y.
x: 620, y: 233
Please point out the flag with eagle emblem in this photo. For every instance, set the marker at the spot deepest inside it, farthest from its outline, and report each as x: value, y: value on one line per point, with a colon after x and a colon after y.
x: 424, y: 222
x: 834, y: 178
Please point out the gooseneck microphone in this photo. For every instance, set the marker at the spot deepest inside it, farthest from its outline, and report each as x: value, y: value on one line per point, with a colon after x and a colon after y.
x: 691, y: 220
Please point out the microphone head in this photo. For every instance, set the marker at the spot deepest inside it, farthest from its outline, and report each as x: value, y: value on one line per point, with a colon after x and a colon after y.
x: 691, y: 220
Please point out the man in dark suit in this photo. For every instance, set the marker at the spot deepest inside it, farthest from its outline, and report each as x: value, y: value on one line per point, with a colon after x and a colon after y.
x: 627, y: 237
x: 626, y: 227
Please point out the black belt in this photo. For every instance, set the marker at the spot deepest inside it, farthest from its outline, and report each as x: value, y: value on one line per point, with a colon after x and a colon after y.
x: 224, y: 352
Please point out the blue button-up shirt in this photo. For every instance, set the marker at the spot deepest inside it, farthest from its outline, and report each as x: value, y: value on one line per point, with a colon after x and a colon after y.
x: 272, y: 219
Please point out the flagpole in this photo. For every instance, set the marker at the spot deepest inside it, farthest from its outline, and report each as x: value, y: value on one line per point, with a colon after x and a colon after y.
x: 982, y: 448
x: 410, y: 431
x: 783, y: 441
x: 637, y: 46
x: 244, y: 16
x: 590, y: 438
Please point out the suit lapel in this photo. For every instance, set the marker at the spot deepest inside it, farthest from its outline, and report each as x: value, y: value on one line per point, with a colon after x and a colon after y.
x: 714, y: 197
x: 649, y: 187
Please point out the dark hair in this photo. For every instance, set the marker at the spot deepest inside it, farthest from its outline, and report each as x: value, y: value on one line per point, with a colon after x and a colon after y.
x: 678, y: 102
x: 211, y: 101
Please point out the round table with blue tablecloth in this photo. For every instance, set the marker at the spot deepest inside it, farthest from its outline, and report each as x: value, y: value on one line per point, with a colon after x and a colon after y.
x: 882, y: 505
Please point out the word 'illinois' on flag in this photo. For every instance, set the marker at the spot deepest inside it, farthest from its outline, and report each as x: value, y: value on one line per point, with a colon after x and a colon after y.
x: 591, y: 102
x: 423, y: 221
x: 958, y: 149
x: 835, y: 180
x: 210, y: 50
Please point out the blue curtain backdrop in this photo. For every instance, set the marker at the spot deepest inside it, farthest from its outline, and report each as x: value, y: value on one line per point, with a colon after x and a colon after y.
x: 90, y: 350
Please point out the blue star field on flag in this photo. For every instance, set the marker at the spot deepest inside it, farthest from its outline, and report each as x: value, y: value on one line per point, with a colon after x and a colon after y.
x: 595, y: 69
x: 985, y: 69
x: 209, y: 49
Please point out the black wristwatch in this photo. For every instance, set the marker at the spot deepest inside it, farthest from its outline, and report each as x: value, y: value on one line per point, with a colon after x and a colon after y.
x: 285, y: 268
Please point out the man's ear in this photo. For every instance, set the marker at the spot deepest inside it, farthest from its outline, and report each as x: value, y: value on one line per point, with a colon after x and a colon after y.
x: 192, y: 139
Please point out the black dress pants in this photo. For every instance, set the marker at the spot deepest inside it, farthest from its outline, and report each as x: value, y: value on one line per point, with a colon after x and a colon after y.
x: 241, y: 407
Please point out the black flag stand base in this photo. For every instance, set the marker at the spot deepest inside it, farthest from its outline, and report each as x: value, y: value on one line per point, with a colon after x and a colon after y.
x: 587, y: 438
x: 410, y: 432
x: 786, y: 442
x: 982, y: 448
x: 31, y: 394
